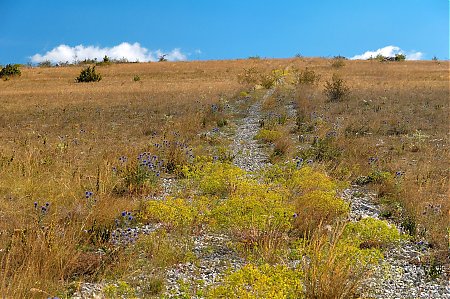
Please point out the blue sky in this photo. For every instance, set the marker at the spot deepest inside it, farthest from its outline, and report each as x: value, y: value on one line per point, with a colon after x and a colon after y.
x: 218, y: 29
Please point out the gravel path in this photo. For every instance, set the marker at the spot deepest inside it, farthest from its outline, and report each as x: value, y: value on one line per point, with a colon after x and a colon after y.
x: 249, y: 154
x: 213, y: 259
x: 211, y: 251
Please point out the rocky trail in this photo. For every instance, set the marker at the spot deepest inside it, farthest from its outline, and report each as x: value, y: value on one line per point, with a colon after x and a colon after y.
x: 212, y: 252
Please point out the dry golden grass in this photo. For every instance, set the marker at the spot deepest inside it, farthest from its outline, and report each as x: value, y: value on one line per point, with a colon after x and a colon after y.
x: 61, y: 138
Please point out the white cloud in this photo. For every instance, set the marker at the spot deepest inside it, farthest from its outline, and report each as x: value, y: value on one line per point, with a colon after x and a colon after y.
x: 131, y: 52
x: 414, y: 55
x: 390, y: 51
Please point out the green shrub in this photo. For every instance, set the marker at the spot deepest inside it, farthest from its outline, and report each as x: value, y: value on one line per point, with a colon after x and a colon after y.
x: 306, y: 76
x: 268, y: 135
x: 222, y: 122
x: 136, y: 78
x: 316, y: 208
x: 321, y: 150
x: 379, y: 177
x: 249, y: 76
x: 409, y: 225
x: 214, y: 178
x: 252, y: 210
x: 400, y: 57
x: 338, y: 62
x: 135, y: 178
x: 160, y: 250
x: 88, y: 75
x: 10, y: 70
x: 178, y: 214
x: 46, y: 63
x: 120, y: 289
x: 267, y: 81
x: 275, y: 77
x: 265, y: 281
x: 380, y: 57
x: 162, y: 58
x: 333, y: 267
x: 314, y: 196
x: 371, y: 233
x: 336, y: 89
x: 106, y: 61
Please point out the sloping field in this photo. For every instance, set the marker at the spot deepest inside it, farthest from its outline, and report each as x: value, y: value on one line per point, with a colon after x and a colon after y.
x: 226, y: 179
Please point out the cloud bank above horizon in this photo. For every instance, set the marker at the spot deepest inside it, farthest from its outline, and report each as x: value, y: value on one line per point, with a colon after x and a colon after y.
x: 131, y: 52
x: 390, y: 51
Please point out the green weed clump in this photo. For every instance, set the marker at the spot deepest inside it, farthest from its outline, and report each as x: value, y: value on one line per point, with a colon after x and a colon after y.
x: 214, y: 178
x: 135, y: 178
x: 267, y: 135
x: 371, y: 233
x: 258, y: 217
x: 305, y: 77
x: 321, y: 150
x: 120, y: 289
x: 336, y: 89
x: 215, y: 114
x: 338, y: 62
x: 249, y: 76
x: 178, y: 214
x: 263, y: 281
x: 150, y: 255
x: 400, y: 57
x: 334, y: 268
x: 253, y: 77
x: 88, y: 75
x: 10, y: 70
x: 314, y: 196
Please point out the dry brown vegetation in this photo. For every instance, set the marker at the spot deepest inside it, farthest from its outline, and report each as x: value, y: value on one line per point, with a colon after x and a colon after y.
x: 61, y: 138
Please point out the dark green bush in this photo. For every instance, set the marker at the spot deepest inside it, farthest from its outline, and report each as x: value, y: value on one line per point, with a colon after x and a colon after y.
x: 338, y: 61
x: 400, y: 57
x: 336, y: 89
x: 10, y: 70
x: 380, y: 57
x: 162, y: 58
x: 321, y: 150
x: 306, y: 76
x: 46, y: 63
x: 88, y: 75
x: 106, y: 61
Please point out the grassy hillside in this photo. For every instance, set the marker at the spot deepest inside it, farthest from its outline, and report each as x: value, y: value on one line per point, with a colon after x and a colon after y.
x: 72, y: 154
